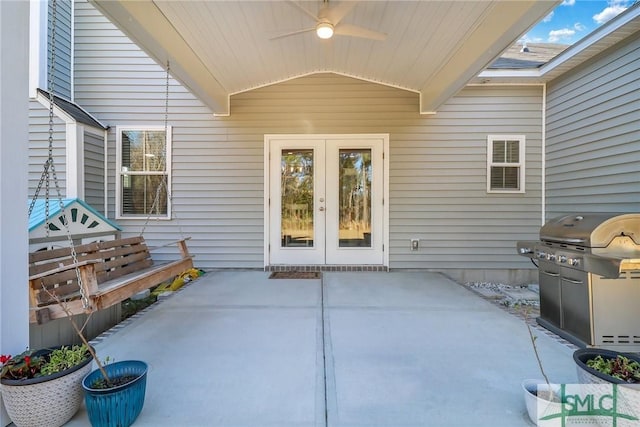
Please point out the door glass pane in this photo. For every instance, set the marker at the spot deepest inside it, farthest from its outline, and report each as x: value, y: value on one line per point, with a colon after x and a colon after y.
x: 296, y: 180
x: 354, y: 198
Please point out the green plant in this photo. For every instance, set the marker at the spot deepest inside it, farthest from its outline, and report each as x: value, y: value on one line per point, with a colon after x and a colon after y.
x: 131, y: 307
x: 65, y: 358
x: 33, y: 364
x: 620, y: 367
x: 79, y: 329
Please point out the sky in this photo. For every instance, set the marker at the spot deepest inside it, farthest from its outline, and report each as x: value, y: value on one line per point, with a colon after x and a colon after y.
x: 574, y: 19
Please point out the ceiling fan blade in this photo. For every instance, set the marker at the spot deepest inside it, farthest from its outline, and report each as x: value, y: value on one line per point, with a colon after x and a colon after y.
x: 292, y: 33
x: 302, y: 9
x: 355, y: 31
x: 336, y: 13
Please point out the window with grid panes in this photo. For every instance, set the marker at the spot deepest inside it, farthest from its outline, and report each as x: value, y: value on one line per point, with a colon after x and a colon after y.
x: 505, y: 163
x: 144, y: 165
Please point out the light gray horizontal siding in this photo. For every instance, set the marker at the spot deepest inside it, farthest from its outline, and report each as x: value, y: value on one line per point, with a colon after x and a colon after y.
x: 593, y: 135
x: 438, y: 183
x: 438, y: 163
x: 94, y: 168
x: 62, y: 75
x: 39, y: 149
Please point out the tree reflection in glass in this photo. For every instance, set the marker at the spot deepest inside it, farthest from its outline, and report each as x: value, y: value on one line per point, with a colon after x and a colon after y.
x: 355, y: 198
x: 296, y: 180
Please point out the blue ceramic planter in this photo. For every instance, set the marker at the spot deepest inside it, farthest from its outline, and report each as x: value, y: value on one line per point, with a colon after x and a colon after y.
x: 118, y: 406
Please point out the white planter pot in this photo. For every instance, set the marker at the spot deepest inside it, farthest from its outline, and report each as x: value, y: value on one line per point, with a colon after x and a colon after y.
x: 45, y: 402
x: 538, y: 407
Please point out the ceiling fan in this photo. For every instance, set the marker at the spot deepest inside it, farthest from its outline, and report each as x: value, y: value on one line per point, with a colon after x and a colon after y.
x: 328, y: 22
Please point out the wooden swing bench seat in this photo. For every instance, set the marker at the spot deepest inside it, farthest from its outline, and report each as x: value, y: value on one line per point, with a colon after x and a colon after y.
x: 110, y: 271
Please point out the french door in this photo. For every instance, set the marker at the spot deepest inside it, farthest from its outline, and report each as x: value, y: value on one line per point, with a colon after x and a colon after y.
x: 325, y: 199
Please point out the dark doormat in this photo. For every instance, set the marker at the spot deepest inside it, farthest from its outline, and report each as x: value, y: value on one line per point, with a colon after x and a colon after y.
x: 295, y: 275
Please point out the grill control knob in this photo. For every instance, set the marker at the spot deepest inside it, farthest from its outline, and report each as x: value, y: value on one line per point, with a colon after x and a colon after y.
x: 524, y: 251
x: 542, y: 255
x: 573, y: 262
x: 562, y: 258
x: 551, y: 257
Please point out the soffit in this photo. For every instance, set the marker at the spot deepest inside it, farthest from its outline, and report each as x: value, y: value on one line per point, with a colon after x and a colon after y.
x: 221, y: 48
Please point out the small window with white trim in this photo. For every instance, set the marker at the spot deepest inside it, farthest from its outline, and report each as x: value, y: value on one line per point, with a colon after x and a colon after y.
x: 505, y: 163
x: 143, y: 159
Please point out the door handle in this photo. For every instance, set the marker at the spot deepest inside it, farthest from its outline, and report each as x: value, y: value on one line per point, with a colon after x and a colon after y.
x: 548, y: 273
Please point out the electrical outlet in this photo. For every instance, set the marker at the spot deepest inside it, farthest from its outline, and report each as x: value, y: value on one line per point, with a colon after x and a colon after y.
x: 415, y: 243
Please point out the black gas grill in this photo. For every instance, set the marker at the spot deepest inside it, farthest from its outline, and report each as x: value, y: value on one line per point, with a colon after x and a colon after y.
x: 589, y: 277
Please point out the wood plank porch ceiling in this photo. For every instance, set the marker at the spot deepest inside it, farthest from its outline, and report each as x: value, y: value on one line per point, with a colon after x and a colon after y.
x: 221, y: 48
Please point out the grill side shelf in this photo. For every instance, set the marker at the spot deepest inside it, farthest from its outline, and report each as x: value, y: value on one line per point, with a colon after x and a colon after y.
x: 606, y: 266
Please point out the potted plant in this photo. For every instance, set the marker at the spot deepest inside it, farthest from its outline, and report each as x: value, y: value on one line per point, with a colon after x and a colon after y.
x: 597, y: 366
x: 115, y: 397
x: 43, y: 387
x: 540, y: 397
x: 601, y: 366
x: 114, y: 393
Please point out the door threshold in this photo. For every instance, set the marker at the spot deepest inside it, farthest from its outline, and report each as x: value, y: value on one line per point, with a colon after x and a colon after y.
x: 281, y: 267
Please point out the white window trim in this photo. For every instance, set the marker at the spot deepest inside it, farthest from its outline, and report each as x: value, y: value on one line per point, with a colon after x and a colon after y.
x: 74, y: 153
x: 74, y: 166
x: 37, y: 46
x: 521, y: 164
x: 168, y: 136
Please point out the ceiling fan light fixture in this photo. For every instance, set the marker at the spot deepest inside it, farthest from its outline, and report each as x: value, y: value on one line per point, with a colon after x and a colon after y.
x: 324, y: 30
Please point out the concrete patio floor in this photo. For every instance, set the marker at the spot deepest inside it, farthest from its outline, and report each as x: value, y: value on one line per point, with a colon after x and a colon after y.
x: 392, y: 349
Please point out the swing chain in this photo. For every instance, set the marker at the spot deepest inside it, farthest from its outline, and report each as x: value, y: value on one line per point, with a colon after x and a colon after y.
x: 45, y: 173
x: 49, y: 167
x: 51, y: 84
x: 163, y: 184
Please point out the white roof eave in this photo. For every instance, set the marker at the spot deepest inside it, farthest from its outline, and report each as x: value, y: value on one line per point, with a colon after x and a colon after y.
x: 586, y: 48
x: 504, y: 76
x: 597, y: 38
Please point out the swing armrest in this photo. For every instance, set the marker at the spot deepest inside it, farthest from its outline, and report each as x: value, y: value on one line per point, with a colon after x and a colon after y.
x: 62, y: 268
x: 182, y: 245
x: 174, y: 242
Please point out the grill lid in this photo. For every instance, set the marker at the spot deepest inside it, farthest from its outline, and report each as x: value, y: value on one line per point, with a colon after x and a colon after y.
x: 592, y: 230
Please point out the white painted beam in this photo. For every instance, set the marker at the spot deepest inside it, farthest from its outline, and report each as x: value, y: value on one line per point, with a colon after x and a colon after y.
x: 14, y: 125
x: 502, y: 25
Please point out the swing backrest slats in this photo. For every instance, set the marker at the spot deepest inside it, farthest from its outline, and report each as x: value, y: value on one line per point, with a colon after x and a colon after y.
x: 112, y: 259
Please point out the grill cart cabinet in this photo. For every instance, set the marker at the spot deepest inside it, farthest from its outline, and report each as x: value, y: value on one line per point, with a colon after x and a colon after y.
x: 549, y: 281
x: 589, y: 276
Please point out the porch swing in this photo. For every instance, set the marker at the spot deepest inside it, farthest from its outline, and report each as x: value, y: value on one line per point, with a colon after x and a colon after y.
x: 93, y: 276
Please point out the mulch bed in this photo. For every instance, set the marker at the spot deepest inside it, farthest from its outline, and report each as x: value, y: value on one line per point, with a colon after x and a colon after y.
x: 295, y: 275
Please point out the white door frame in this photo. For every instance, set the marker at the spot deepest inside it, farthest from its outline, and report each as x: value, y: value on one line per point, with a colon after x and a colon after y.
x: 314, y: 255
x: 385, y: 182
